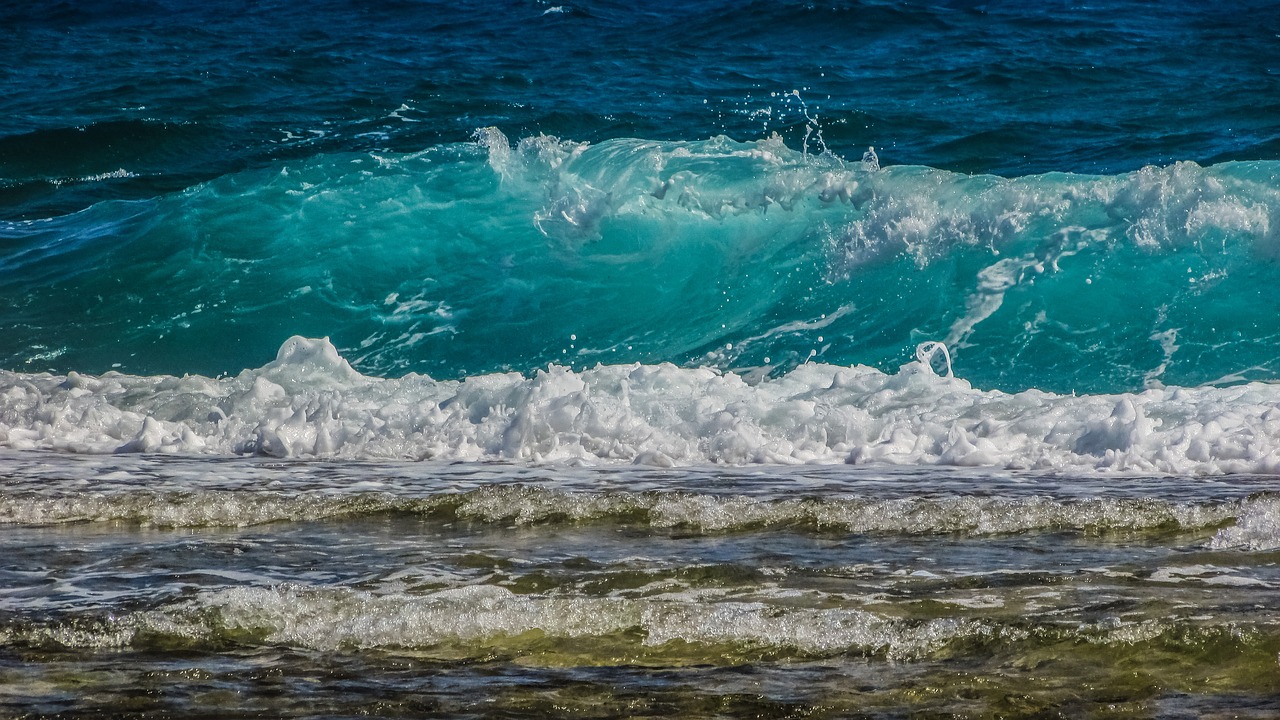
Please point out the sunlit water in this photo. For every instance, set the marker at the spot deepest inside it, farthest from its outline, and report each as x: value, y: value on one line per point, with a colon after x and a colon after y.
x: 763, y: 359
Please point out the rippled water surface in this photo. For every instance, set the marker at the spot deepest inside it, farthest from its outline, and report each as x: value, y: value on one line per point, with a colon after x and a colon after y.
x: 457, y: 590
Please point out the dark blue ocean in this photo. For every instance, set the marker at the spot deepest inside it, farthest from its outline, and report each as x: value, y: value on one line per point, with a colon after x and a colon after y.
x: 711, y: 359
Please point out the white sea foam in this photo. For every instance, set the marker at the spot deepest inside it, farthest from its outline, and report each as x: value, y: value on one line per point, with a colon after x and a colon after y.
x: 112, y: 175
x: 1257, y: 529
x: 309, y: 402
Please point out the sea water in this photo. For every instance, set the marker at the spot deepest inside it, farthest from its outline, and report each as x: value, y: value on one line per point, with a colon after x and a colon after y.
x: 771, y: 359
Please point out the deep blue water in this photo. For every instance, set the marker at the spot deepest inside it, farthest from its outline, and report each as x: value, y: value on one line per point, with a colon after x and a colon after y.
x: 183, y: 92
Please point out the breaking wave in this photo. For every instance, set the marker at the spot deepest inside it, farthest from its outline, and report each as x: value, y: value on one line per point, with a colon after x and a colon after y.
x: 310, y: 402
x: 475, y: 258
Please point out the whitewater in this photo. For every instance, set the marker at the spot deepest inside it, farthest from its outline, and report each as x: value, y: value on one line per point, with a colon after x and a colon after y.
x: 758, y: 238
x: 309, y: 402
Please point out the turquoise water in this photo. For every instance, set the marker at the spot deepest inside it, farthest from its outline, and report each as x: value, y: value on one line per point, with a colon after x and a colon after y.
x: 463, y: 260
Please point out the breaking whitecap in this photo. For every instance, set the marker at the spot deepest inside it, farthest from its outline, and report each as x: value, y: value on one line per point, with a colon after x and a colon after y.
x: 310, y: 402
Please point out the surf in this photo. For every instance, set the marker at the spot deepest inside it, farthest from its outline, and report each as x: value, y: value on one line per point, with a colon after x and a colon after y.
x: 310, y: 402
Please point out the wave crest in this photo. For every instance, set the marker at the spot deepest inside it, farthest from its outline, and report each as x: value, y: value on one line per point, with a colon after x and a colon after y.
x: 482, y: 257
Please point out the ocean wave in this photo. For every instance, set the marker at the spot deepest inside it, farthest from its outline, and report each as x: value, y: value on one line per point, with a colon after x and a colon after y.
x: 310, y: 402
x: 476, y: 258
x: 480, y: 620
x: 486, y: 621
x: 1257, y: 528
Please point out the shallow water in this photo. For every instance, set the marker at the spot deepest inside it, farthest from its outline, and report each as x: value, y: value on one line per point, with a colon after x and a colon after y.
x: 292, y: 588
